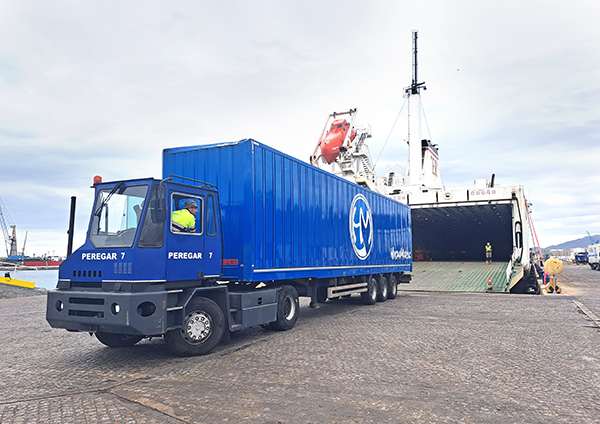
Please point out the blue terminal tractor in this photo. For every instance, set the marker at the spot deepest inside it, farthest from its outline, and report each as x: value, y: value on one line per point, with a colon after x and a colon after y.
x: 230, y: 238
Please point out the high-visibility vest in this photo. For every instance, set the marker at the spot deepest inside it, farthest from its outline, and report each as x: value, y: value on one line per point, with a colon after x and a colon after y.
x: 488, y: 248
x: 183, y: 220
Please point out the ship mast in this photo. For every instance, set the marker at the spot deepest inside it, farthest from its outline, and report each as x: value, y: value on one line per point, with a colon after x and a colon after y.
x: 415, y: 158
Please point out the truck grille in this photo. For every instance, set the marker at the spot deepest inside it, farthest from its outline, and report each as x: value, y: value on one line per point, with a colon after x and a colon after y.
x: 86, y: 307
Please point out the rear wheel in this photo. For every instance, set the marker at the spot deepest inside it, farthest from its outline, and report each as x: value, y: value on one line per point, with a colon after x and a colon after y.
x: 382, y: 291
x: 118, y: 340
x: 370, y: 296
x: 392, y: 287
x: 288, y: 308
x: 202, y: 329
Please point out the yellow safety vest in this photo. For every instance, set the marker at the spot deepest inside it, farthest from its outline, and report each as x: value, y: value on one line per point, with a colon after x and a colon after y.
x: 183, y: 220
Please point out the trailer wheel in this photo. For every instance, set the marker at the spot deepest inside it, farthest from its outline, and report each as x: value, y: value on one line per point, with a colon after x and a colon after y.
x: 392, y: 287
x: 370, y: 296
x: 118, y: 340
x: 288, y: 308
x: 382, y: 290
x: 202, y: 329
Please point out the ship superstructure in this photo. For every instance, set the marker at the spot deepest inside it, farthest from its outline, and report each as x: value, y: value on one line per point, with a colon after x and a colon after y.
x: 448, y: 225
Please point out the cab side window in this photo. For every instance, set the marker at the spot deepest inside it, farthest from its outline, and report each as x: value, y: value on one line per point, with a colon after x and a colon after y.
x: 211, y: 216
x: 186, y: 214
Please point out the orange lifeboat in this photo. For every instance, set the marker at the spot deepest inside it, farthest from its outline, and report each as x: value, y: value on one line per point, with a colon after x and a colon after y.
x: 334, y: 139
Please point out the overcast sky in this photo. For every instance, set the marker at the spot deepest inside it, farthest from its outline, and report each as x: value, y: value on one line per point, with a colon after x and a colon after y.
x: 101, y: 87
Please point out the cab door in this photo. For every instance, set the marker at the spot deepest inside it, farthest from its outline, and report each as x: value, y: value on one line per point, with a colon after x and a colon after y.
x: 185, y: 247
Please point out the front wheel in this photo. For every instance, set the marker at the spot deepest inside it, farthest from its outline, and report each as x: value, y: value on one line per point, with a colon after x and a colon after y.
x: 202, y: 329
x: 288, y: 308
x: 117, y: 340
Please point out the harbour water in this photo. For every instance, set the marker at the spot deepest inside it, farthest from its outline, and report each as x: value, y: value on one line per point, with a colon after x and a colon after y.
x: 43, y: 278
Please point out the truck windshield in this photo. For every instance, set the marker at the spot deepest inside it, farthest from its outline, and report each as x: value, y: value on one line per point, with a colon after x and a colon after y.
x: 116, y: 217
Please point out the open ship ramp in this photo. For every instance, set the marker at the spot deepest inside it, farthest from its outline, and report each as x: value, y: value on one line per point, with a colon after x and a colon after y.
x: 451, y: 229
x: 458, y: 276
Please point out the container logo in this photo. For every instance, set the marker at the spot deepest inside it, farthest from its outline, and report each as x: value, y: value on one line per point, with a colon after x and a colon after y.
x: 361, y: 227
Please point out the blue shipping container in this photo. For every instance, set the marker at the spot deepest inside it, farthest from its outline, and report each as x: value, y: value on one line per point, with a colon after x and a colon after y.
x: 285, y: 219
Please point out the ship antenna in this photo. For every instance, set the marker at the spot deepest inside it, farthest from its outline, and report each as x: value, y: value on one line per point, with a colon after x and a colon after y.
x: 415, y: 87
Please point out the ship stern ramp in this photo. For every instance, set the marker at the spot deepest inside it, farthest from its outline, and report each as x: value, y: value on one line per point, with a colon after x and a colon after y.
x: 450, y: 231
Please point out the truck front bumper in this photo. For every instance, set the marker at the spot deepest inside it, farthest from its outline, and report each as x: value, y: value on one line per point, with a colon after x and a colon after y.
x: 115, y: 312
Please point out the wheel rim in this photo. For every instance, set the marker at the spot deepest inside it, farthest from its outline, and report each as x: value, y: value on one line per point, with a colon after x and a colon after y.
x: 197, y: 327
x: 384, y: 289
x: 393, y: 287
x: 289, y: 308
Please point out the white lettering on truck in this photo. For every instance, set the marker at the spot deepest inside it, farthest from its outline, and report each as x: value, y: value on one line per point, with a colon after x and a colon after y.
x: 104, y: 256
x: 400, y: 254
x: 185, y: 255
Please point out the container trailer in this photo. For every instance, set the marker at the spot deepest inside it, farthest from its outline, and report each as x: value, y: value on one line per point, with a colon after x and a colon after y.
x: 268, y: 228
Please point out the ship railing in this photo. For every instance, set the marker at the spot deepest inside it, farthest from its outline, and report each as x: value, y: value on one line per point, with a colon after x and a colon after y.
x: 15, y: 267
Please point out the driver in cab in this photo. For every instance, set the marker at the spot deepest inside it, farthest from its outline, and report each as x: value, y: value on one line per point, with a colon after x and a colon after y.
x: 184, y: 220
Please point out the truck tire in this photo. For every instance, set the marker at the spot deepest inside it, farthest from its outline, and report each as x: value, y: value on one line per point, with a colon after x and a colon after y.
x: 382, y: 289
x: 288, y: 308
x: 117, y: 340
x: 370, y: 296
x: 202, y: 329
x: 392, y: 287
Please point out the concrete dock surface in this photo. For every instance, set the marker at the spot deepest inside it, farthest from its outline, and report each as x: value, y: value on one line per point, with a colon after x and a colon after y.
x: 424, y: 357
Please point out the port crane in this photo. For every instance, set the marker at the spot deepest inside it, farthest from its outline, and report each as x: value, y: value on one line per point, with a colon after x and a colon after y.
x: 9, y: 229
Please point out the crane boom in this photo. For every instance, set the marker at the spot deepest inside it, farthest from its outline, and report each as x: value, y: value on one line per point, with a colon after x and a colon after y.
x: 7, y: 224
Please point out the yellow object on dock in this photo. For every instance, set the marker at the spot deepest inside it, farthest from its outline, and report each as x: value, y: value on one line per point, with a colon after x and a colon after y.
x: 15, y: 282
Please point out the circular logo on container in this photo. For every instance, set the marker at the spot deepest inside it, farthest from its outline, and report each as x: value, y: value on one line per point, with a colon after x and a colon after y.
x: 361, y: 227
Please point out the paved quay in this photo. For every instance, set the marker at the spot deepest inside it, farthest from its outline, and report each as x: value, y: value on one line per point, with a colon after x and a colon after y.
x: 424, y: 357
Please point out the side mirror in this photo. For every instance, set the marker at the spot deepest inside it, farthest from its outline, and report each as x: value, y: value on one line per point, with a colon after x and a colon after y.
x: 160, y: 213
x: 157, y: 208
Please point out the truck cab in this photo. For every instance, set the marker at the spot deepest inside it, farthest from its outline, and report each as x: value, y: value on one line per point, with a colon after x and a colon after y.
x: 136, y: 270
x: 132, y: 238
x: 581, y: 258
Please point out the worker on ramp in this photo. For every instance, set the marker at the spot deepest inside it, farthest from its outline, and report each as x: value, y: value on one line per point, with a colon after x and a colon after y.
x: 488, y: 253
